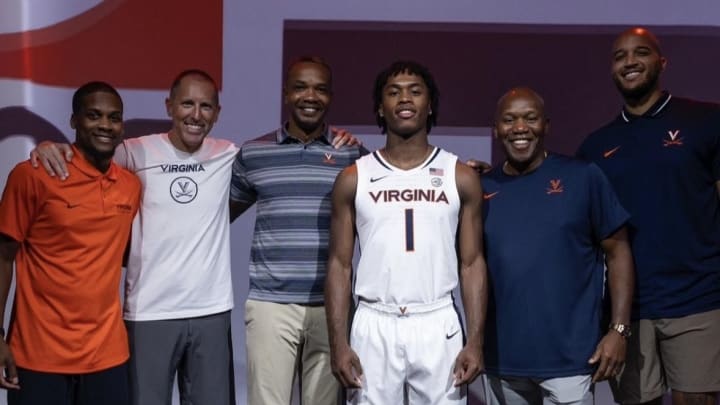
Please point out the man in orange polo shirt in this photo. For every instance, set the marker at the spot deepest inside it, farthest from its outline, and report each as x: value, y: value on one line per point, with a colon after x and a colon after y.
x: 66, y: 342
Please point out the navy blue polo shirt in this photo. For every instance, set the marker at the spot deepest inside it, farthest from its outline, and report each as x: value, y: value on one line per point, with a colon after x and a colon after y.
x: 663, y: 166
x: 542, y: 235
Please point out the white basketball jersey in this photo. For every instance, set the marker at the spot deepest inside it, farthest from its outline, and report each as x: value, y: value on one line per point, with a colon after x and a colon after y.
x: 406, y: 222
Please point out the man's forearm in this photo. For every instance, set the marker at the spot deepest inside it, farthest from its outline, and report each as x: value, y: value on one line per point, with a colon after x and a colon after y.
x: 621, y: 282
x: 621, y: 275
x: 5, y: 280
x: 337, y: 303
x: 8, y: 249
x: 473, y: 280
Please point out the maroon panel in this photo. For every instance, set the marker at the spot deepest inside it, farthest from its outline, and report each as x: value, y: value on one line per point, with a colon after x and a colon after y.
x: 476, y: 63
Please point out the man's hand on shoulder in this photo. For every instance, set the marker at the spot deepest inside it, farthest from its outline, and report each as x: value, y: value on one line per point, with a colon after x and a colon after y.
x: 53, y: 157
x: 342, y: 137
x: 479, y: 166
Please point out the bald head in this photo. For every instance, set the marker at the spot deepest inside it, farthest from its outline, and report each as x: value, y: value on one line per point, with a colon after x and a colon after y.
x: 636, y: 66
x: 640, y: 33
x: 521, y: 126
x: 196, y: 74
x: 517, y: 93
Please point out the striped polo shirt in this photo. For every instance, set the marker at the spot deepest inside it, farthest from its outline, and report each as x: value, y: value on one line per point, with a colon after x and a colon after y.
x: 291, y: 183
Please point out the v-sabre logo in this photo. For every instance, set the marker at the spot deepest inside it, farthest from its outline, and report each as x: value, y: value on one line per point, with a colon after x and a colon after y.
x: 329, y: 159
x: 185, y: 167
x: 674, y: 139
x: 556, y: 187
x: 183, y: 190
x: 408, y: 195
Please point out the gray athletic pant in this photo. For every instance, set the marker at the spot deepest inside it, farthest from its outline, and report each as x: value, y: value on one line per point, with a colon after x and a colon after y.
x: 198, y: 350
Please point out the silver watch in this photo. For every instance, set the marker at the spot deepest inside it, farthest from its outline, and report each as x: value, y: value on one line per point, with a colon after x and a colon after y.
x: 622, y: 329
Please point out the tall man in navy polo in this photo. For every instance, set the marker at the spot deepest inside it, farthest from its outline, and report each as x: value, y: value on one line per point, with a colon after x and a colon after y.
x: 662, y: 156
x: 289, y: 173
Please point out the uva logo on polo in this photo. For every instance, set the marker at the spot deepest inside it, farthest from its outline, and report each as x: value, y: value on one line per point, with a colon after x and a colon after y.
x: 329, y: 159
x: 183, y: 190
x: 556, y: 187
x: 674, y: 140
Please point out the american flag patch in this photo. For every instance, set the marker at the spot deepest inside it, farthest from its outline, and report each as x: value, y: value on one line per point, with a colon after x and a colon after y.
x: 436, y: 172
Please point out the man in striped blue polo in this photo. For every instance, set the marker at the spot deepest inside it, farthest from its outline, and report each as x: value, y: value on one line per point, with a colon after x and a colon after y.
x: 289, y: 173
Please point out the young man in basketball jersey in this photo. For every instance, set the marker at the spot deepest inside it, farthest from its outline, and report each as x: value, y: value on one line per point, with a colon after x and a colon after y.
x: 411, y: 204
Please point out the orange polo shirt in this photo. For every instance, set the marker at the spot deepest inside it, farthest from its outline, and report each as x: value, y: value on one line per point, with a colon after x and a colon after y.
x: 67, y: 316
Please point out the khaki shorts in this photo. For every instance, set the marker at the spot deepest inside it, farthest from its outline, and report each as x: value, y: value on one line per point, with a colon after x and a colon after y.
x: 682, y: 354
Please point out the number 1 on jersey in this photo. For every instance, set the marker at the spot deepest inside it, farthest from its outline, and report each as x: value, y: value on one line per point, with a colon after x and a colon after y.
x: 409, y: 231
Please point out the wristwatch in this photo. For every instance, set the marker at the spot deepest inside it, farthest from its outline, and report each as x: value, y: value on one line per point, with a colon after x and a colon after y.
x: 622, y: 329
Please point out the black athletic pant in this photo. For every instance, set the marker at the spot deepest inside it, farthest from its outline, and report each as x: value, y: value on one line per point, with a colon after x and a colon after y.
x: 106, y: 387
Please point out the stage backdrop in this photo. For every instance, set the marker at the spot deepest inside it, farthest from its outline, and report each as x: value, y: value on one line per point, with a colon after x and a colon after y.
x: 476, y: 49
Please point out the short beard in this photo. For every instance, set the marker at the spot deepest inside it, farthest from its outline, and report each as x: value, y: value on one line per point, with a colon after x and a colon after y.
x: 640, y: 91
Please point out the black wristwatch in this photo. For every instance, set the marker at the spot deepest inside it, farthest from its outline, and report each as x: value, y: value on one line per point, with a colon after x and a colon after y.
x: 622, y: 329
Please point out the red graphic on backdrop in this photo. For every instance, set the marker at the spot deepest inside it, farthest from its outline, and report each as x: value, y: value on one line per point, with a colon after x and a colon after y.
x: 129, y: 43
